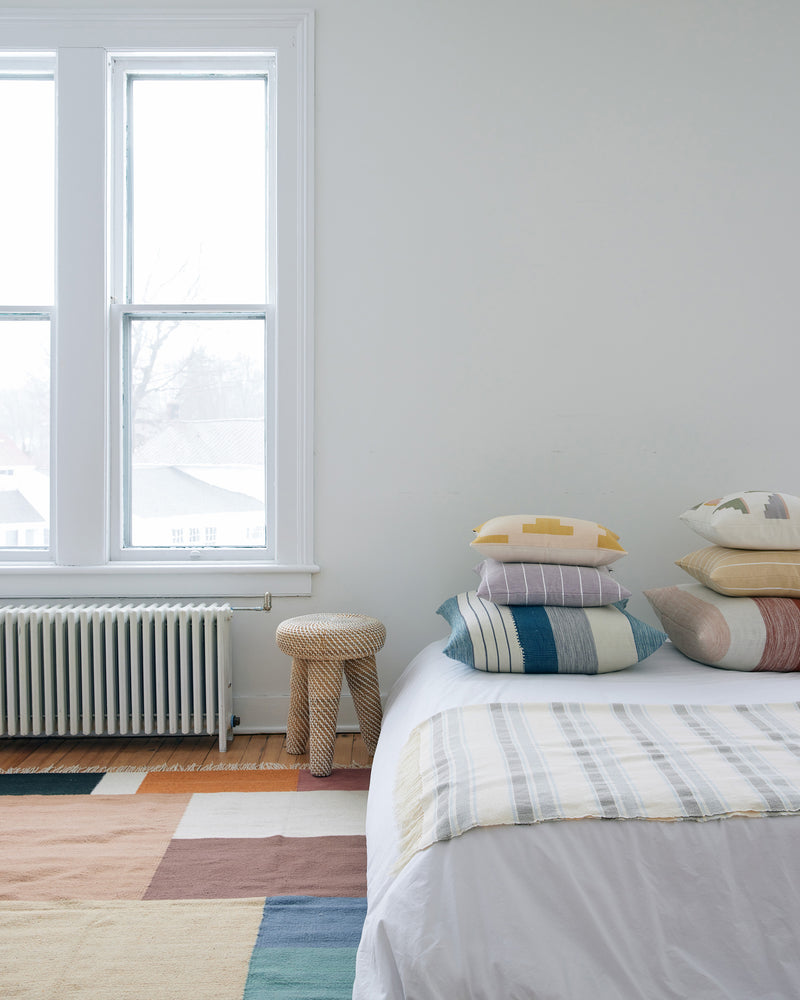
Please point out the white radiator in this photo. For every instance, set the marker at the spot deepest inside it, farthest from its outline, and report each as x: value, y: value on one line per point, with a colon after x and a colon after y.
x: 117, y: 670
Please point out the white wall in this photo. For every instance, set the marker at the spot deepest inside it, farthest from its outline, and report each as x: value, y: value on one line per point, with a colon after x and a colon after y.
x: 556, y: 256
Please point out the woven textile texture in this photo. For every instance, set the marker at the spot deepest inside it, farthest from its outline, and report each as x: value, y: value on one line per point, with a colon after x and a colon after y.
x: 216, y: 885
x: 324, y: 647
x: 543, y: 639
x: 736, y: 633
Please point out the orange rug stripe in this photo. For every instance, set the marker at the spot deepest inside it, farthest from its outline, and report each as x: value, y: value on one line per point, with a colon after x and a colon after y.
x: 189, y: 782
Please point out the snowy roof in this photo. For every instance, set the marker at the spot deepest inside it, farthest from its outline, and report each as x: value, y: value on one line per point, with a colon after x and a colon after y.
x: 168, y: 492
x: 204, y: 442
x: 15, y: 509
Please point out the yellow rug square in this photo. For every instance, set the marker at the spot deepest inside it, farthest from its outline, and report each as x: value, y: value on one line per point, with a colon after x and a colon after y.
x: 128, y: 950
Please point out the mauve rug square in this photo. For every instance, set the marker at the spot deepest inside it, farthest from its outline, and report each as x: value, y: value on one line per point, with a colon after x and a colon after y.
x: 342, y: 779
x: 220, y: 868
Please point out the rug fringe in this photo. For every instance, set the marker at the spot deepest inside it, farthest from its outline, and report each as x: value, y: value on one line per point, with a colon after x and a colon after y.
x: 125, y: 768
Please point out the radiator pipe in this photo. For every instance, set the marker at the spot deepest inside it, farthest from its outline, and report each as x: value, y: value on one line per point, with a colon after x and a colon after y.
x: 266, y: 604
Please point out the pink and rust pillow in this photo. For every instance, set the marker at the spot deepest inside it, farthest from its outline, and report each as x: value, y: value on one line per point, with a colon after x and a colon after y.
x: 550, y: 584
x: 737, y: 633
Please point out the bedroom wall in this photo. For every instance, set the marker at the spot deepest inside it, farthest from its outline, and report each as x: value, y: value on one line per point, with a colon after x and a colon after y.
x: 556, y: 249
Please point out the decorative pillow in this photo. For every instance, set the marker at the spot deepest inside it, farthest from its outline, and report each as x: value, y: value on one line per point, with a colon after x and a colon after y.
x: 745, y: 572
x: 748, y: 520
x: 544, y: 640
x: 738, y: 633
x: 537, y: 539
x: 548, y: 583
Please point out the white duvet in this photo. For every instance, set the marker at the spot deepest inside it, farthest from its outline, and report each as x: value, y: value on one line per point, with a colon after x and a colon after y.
x: 586, y: 909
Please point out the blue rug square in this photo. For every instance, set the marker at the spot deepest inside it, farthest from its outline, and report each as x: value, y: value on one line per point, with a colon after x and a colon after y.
x: 306, y: 948
x: 49, y: 783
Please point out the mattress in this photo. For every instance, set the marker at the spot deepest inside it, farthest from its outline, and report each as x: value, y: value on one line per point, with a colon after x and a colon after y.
x: 583, y: 909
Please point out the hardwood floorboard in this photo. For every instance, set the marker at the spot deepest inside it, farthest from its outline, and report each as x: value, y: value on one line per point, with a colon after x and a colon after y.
x: 189, y: 751
x: 253, y: 748
x: 14, y: 752
x: 343, y: 750
x: 144, y: 752
x: 287, y: 759
x: 274, y: 747
x: 92, y: 752
x: 361, y: 757
x: 139, y: 751
x: 48, y: 754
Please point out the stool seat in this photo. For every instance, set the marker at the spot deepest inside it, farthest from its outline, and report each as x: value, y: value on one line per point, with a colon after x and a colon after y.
x: 324, y: 647
x: 330, y: 636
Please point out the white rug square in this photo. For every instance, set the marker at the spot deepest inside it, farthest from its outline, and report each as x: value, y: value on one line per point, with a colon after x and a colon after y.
x: 119, y: 783
x: 273, y: 814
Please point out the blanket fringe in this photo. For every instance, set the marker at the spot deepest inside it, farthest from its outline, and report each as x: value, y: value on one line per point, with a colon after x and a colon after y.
x: 408, y: 795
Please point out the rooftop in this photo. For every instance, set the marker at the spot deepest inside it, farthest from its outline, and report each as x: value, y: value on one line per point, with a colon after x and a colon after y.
x: 204, y: 442
x: 15, y: 509
x: 170, y: 492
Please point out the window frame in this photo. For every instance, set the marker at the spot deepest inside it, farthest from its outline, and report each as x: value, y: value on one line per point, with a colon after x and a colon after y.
x: 32, y: 64
x: 86, y: 455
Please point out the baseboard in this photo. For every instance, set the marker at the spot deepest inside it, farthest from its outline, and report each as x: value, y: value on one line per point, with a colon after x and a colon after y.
x: 269, y: 714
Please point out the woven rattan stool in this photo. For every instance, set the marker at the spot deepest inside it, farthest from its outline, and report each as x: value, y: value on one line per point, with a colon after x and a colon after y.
x: 323, y: 647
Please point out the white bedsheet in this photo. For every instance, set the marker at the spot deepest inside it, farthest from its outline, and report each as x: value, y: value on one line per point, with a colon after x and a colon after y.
x: 583, y: 910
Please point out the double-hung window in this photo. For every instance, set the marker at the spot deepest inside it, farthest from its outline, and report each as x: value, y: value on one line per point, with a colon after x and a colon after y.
x: 155, y: 304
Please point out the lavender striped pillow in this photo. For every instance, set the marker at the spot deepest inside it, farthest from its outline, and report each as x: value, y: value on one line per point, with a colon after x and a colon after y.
x: 548, y: 584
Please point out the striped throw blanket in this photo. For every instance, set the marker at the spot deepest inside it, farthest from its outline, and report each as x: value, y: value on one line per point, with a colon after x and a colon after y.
x: 511, y: 763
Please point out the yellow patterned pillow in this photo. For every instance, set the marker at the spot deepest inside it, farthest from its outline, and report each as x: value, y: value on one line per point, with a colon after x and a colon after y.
x: 536, y: 538
x: 745, y: 572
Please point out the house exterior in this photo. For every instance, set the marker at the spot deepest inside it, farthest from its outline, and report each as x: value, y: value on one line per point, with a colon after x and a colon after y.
x: 200, y: 483
x: 24, y: 499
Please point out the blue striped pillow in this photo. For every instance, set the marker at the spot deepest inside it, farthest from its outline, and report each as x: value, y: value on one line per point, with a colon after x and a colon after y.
x: 544, y: 639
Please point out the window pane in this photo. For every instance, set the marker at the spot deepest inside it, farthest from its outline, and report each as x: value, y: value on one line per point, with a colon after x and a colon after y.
x: 195, y: 429
x: 24, y: 433
x: 27, y: 191
x: 198, y: 190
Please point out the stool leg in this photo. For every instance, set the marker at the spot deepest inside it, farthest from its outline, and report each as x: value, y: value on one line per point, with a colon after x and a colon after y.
x: 324, y: 688
x: 297, y: 725
x: 362, y: 679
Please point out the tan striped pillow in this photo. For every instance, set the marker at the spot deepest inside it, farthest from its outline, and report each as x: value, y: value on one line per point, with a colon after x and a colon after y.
x: 736, y: 633
x: 745, y: 572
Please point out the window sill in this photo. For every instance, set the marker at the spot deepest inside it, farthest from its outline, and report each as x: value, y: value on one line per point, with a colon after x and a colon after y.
x: 149, y: 581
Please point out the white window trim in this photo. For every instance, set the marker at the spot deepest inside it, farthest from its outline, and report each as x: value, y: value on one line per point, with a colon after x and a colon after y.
x: 82, y: 563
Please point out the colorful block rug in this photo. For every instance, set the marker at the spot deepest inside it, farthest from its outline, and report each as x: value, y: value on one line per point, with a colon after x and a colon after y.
x: 226, y: 885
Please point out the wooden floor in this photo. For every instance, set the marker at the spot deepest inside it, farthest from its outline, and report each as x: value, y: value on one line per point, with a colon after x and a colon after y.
x: 170, y: 751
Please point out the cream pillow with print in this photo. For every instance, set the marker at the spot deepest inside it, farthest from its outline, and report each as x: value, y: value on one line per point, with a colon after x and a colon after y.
x: 748, y: 520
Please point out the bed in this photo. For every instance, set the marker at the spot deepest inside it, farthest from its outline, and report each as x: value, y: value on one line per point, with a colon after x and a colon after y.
x: 583, y: 909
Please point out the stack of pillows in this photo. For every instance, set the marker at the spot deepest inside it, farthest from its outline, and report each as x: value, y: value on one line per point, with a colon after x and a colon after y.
x: 547, y: 601
x: 744, y: 614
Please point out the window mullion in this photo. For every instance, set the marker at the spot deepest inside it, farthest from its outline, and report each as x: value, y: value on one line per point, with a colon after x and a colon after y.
x: 81, y: 392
